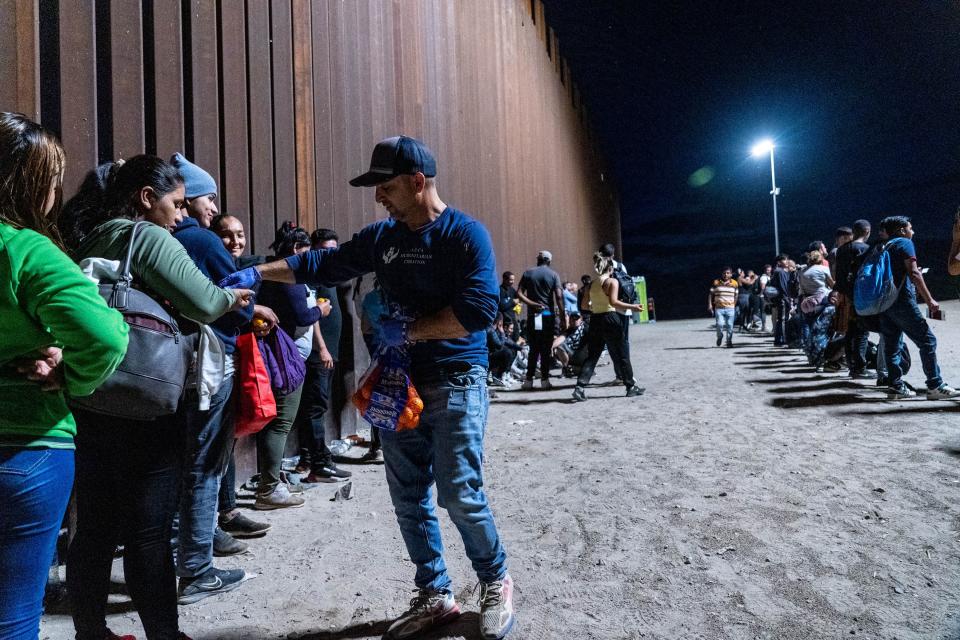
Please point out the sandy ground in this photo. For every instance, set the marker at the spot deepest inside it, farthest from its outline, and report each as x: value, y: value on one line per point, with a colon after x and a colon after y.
x: 744, y: 496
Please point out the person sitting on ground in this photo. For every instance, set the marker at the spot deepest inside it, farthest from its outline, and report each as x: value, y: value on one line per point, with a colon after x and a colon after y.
x: 570, y: 343
x: 502, y: 352
x: 721, y: 303
x: 606, y: 329
x: 904, y: 316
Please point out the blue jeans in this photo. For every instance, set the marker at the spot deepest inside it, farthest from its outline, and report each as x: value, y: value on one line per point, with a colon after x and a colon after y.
x: 209, y: 442
x: 904, y: 317
x: 446, y: 449
x: 34, y: 487
x: 725, y: 322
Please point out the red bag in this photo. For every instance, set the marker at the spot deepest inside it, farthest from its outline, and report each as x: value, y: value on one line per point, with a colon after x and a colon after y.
x: 256, y: 406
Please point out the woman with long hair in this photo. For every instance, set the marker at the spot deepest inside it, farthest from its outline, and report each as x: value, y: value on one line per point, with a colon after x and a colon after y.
x: 59, y: 338
x: 606, y: 328
x: 128, y: 471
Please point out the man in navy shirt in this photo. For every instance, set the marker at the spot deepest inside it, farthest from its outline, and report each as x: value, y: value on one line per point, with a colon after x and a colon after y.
x: 904, y: 316
x: 437, y: 264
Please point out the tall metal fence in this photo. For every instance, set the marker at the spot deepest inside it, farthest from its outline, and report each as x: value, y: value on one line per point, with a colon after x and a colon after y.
x: 283, y: 100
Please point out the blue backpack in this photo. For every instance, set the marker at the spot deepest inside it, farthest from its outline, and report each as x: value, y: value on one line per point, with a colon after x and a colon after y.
x: 874, y: 290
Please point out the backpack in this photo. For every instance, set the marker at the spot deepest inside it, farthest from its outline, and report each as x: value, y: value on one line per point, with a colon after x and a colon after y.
x: 874, y: 290
x: 628, y: 290
x: 150, y: 380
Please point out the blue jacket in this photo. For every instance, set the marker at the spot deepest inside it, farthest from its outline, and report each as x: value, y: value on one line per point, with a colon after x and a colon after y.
x: 212, y: 258
x: 446, y: 263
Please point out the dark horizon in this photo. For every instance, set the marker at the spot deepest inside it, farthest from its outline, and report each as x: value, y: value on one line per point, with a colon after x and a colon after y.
x: 860, y: 99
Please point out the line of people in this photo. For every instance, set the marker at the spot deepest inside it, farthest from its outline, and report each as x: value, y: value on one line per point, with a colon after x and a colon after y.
x: 831, y: 302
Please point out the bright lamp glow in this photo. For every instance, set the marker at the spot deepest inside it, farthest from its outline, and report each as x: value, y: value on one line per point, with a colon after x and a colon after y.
x: 762, y: 148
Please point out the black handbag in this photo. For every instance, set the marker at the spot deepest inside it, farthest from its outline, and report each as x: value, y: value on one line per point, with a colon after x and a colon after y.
x: 150, y: 381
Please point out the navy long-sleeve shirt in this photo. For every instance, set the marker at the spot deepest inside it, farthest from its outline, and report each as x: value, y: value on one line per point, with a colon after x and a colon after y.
x: 289, y: 302
x: 446, y: 263
x: 212, y: 258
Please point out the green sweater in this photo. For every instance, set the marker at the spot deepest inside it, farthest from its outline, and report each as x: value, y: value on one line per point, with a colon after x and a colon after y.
x: 45, y: 300
x: 162, y: 264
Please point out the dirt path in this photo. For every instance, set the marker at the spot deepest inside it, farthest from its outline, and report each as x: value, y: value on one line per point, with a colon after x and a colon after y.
x: 744, y: 496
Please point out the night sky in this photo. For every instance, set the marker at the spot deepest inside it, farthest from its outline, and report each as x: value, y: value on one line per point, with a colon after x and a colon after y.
x: 862, y: 100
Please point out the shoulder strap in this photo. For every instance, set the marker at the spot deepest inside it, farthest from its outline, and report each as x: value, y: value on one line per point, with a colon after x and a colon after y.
x: 122, y: 286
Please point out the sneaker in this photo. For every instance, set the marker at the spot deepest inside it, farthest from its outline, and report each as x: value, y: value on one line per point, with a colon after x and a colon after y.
x: 819, y: 368
x: 633, y: 391
x: 429, y: 610
x: 943, y: 392
x: 292, y: 487
x: 496, y: 608
x: 729, y: 344
x: 240, y: 526
x: 374, y: 456
x: 210, y: 583
x: 225, y: 544
x: 112, y: 636
x: 578, y: 394
x: 900, y: 391
x: 833, y: 366
x: 327, y: 473
x: 527, y: 385
x: 279, y: 498
x: 494, y: 381
x: 863, y: 375
x: 546, y: 385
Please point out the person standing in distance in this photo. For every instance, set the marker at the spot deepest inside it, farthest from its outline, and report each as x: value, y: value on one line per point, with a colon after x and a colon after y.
x: 436, y: 264
x: 542, y: 292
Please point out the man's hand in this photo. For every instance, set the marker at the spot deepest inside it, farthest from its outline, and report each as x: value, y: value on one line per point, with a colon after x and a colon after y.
x: 933, y: 306
x: 326, y: 360
x: 45, y: 369
x: 247, y: 278
x: 710, y: 310
x: 241, y: 298
x: 264, y: 320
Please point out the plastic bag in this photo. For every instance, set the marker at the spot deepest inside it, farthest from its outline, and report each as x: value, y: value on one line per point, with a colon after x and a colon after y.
x: 386, y: 397
x: 256, y: 405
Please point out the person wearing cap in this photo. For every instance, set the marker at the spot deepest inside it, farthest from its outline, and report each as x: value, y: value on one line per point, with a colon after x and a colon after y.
x: 200, y: 190
x: 541, y: 290
x: 436, y: 265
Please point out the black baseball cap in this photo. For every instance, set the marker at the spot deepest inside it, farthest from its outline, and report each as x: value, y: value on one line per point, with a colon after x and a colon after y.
x: 397, y: 156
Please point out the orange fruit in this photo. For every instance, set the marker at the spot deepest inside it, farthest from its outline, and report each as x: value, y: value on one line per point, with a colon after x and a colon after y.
x: 259, y: 324
x: 416, y: 404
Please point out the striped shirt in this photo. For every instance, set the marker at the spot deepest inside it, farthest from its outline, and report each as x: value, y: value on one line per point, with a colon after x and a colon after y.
x: 723, y: 295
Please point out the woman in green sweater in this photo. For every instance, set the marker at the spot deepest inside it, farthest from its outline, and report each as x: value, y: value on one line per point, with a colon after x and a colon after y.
x: 128, y: 471
x: 59, y: 338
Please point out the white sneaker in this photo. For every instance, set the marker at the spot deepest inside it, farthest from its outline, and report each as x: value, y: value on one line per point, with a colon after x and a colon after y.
x: 496, y: 608
x: 546, y: 384
x: 943, y: 392
x: 527, y: 385
x: 279, y: 498
x: 429, y: 610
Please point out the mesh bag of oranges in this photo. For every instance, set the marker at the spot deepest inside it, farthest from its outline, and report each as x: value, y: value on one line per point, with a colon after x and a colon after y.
x: 386, y: 396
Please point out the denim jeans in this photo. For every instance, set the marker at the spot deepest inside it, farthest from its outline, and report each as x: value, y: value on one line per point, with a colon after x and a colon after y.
x: 446, y: 449
x: 128, y: 474
x: 724, y: 318
x: 34, y: 487
x: 904, y: 317
x: 208, y: 444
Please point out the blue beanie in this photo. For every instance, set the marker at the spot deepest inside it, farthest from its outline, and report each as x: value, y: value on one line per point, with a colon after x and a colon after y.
x: 196, y: 181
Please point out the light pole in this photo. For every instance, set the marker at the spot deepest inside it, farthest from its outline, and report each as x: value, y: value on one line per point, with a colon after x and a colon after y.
x: 759, y: 149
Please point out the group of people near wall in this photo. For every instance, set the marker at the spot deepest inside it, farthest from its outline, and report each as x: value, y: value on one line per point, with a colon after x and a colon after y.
x: 565, y: 323
x: 814, y: 306
x: 163, y: 488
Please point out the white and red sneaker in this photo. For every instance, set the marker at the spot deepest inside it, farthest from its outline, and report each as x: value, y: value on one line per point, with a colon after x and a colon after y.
x: 429, y: 610
x: 496, y: 608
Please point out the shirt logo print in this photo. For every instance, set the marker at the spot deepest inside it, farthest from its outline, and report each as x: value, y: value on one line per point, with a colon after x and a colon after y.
x: 390, y: 254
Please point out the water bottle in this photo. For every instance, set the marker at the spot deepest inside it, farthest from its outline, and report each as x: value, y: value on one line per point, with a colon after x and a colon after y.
x: 340, y: 447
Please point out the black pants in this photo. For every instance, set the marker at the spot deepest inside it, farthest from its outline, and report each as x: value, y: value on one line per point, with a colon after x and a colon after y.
x: 501, y: 361
x: 855, y: 343
x: 127, y: 480
x: 227, y: 499
x: 314, y: 404
x: 541, y: 347
x: 607, y: 329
